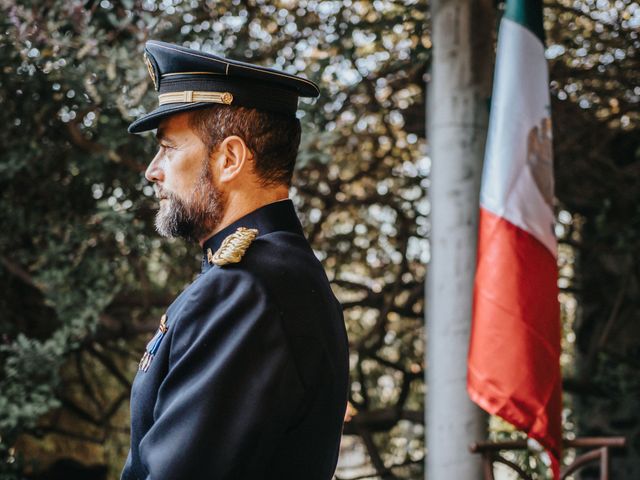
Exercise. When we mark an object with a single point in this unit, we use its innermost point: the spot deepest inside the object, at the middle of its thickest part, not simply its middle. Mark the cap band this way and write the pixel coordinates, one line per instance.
(191, 96)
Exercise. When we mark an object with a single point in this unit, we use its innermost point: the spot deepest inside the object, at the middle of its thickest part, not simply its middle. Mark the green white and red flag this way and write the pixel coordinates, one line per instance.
(514, 353)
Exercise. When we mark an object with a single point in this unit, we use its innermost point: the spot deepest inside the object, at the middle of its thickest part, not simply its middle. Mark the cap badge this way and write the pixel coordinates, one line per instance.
(152, 73)
(233, 247)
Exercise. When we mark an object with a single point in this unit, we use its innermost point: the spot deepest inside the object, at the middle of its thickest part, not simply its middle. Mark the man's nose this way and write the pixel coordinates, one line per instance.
(154, 172)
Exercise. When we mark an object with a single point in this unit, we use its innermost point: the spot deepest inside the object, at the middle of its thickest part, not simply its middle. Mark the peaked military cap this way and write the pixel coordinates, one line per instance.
(187, 79)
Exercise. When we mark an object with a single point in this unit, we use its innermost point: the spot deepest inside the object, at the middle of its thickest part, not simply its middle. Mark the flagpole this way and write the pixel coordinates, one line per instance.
(457, 119)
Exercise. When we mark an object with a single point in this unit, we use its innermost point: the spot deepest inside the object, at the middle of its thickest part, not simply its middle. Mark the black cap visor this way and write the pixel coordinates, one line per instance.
(152, 120)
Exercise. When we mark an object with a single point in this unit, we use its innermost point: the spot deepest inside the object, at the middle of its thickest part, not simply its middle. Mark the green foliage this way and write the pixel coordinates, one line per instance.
(30, 377)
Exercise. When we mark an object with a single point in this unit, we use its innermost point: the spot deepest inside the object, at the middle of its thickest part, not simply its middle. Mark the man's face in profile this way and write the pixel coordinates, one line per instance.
(191, 202)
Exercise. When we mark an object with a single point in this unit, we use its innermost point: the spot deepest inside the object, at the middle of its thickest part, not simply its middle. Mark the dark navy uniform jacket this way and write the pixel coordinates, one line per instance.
(250, 379)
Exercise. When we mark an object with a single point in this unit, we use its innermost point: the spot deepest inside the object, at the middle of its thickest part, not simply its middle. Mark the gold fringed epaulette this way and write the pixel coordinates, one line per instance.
(233, 247)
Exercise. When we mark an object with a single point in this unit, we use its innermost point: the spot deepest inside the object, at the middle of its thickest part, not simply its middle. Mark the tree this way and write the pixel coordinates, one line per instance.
(595, 80)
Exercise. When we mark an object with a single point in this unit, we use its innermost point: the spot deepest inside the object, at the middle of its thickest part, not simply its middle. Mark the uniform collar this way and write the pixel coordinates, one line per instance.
(277, 216)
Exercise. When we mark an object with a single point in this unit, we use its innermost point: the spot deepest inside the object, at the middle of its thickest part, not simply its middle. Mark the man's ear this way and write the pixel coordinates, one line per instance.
(232, 158)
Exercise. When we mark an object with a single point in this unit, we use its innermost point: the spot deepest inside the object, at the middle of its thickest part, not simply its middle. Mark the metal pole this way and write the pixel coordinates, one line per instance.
(457, 118)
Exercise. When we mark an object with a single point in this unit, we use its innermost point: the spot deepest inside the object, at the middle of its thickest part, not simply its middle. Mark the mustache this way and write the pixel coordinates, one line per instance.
(161, 193)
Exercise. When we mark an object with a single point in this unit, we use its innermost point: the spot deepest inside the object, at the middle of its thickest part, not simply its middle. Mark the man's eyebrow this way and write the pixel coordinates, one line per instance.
(161, 135)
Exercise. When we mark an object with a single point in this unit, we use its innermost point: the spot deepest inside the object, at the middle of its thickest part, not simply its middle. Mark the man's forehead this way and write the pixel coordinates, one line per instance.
(171, 126)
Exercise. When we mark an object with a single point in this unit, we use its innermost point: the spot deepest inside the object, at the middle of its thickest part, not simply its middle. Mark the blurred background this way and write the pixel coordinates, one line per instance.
(84, 277)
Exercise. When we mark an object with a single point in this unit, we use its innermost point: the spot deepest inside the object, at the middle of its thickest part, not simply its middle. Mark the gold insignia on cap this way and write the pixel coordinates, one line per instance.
(233, 247)
(152, 73)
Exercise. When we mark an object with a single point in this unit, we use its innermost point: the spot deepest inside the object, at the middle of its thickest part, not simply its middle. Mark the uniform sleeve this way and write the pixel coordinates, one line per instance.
(230, 389)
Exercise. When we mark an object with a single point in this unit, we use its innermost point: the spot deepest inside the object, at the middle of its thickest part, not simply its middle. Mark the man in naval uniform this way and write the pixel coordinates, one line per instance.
(247, 374)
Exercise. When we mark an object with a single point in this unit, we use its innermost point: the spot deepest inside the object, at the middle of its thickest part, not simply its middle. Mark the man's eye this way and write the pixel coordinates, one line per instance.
(166, 147)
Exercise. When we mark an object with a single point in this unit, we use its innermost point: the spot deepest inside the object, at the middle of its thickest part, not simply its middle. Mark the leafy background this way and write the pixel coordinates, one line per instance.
(84, 277)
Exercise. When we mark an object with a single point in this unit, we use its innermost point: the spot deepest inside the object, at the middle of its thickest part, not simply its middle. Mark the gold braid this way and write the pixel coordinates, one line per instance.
(233, 247)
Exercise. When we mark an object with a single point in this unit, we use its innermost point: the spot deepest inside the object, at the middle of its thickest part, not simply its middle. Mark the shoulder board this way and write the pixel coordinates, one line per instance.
(233, 247)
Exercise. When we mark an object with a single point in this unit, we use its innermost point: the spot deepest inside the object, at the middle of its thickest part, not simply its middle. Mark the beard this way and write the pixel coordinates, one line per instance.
(195, 217)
